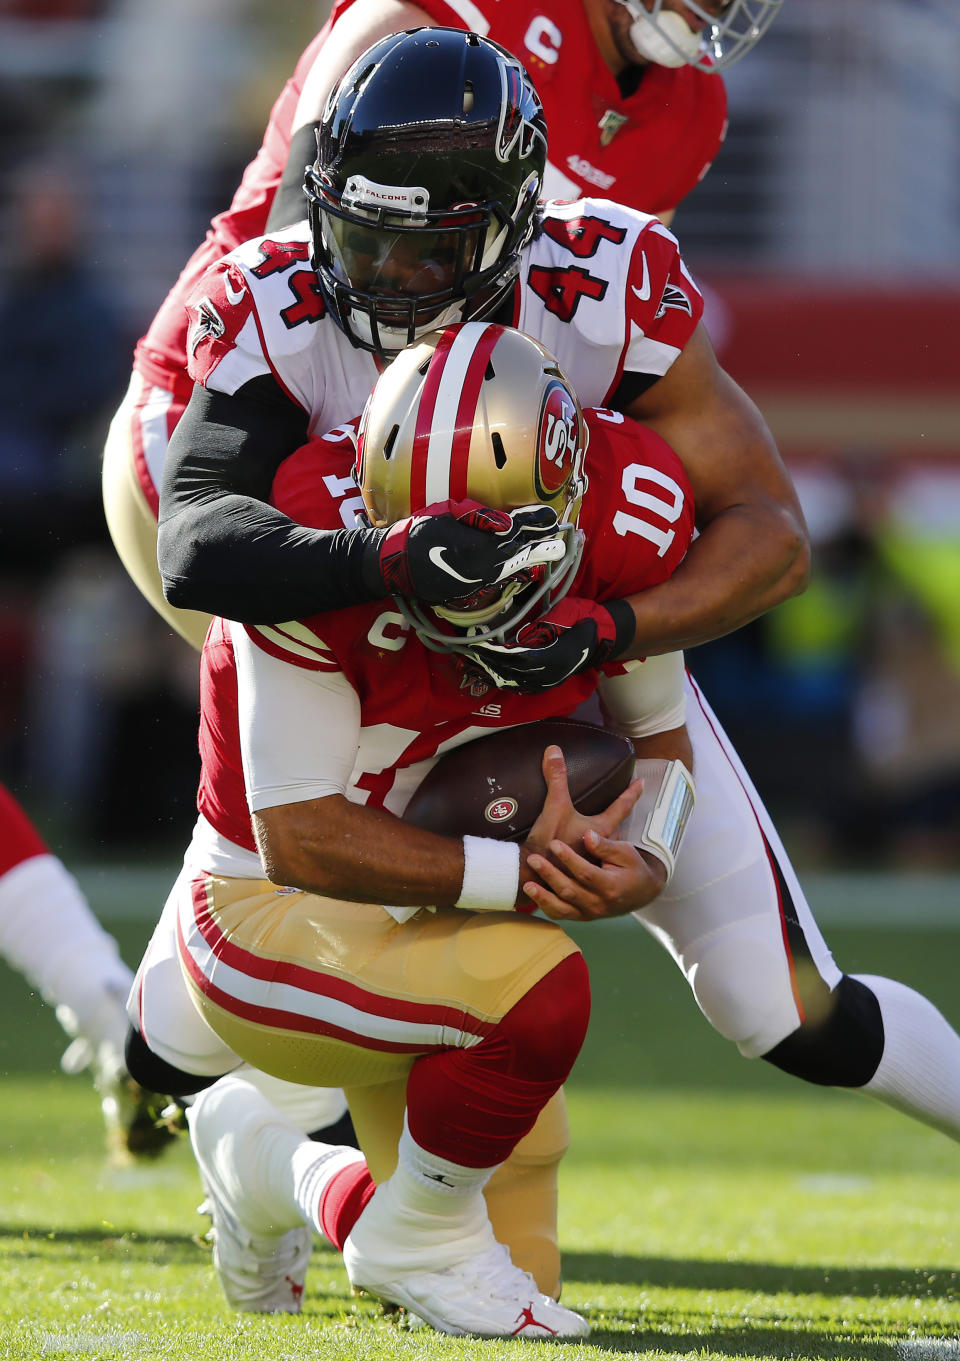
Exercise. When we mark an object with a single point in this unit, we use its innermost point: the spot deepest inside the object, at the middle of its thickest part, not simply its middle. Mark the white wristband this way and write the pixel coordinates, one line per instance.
(491, 875)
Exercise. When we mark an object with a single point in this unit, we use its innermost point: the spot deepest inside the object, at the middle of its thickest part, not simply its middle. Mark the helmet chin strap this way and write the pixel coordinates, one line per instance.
(666, 40)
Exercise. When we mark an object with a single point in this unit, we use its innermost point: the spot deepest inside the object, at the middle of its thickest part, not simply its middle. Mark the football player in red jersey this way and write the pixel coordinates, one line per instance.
(49, 933)
(637, 112)
(314, 733)
(284, 343)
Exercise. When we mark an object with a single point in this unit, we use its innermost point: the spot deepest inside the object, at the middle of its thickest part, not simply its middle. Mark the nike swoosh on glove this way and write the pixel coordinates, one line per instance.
(575, 635)
(452, 548)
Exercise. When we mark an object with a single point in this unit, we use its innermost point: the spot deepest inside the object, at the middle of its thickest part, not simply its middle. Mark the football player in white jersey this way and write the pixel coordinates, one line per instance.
(78, 971)
(652, 71)
(462, 1017)
(287, 336)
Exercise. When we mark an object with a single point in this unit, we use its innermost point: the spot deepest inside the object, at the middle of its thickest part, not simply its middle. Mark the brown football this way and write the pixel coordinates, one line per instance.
(494, 786)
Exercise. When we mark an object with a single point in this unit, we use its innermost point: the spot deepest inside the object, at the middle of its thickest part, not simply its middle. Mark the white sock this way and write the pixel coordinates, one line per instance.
(919, 1072)
(430, 1214)
(261, 1157)
(310, 1171)
(49, 933)
(431, 1180)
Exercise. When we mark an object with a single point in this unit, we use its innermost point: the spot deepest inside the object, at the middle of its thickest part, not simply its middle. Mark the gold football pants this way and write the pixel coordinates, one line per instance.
(339, 994)
(140, 420)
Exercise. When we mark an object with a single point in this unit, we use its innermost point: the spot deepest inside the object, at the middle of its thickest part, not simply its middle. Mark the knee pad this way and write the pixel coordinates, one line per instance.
(156, 1075)
(841, 1048)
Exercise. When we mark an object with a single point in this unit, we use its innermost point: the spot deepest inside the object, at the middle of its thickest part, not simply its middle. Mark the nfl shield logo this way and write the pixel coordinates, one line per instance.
(475, 683)
(610, 124)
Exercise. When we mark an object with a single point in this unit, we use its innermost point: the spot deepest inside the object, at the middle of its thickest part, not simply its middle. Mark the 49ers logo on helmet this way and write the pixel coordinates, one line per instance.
(556, 441)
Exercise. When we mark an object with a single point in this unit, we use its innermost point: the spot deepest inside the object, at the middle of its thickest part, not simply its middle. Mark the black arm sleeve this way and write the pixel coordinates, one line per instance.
(221, 549)
(631, 386)
(289, 202)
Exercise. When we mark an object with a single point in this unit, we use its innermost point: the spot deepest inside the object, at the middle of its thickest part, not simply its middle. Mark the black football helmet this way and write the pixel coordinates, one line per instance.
(430, 160)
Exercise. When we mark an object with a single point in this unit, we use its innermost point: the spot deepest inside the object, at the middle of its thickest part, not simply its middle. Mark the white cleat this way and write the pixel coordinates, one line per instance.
(486, 1296)
(258, 1272)
(479, 1295)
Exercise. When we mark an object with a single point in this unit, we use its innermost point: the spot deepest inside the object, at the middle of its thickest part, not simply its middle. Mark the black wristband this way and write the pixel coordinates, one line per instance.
(625, 623)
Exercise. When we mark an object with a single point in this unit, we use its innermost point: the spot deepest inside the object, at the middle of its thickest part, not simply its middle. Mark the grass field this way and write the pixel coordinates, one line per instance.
(710, 1207)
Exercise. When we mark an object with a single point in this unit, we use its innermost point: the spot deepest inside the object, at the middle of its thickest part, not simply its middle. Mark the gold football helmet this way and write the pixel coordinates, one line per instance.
(478, 412)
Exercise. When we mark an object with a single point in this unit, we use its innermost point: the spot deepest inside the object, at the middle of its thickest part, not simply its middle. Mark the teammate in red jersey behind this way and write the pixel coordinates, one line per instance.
(636, 110)
(314, 734)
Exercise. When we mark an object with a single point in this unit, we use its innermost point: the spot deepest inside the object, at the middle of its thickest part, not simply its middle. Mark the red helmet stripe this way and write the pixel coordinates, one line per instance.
(467, 411)
(425, 413)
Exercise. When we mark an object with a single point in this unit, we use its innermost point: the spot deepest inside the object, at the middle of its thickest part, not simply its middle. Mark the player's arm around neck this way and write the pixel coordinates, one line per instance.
(753, 550)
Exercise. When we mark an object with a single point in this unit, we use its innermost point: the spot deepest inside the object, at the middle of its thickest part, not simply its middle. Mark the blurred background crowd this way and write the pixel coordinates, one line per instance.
(826, 237)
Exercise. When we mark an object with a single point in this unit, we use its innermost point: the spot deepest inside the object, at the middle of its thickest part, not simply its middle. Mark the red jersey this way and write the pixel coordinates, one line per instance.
(161, 355)
(415, 704)
(19, 839)
(647, 150)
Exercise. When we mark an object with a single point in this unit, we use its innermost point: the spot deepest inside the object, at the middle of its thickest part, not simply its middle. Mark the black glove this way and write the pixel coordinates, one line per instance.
(451, 549)
(575, 635)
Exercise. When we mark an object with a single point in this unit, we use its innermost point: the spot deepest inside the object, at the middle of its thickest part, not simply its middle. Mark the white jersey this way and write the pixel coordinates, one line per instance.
(602, 286)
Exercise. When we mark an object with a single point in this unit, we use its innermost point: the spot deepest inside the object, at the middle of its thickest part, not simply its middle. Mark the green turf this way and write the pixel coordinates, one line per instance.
(710, 1207)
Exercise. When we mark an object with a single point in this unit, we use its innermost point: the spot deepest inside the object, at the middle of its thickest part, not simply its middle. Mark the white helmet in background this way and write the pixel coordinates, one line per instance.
(723, 33)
